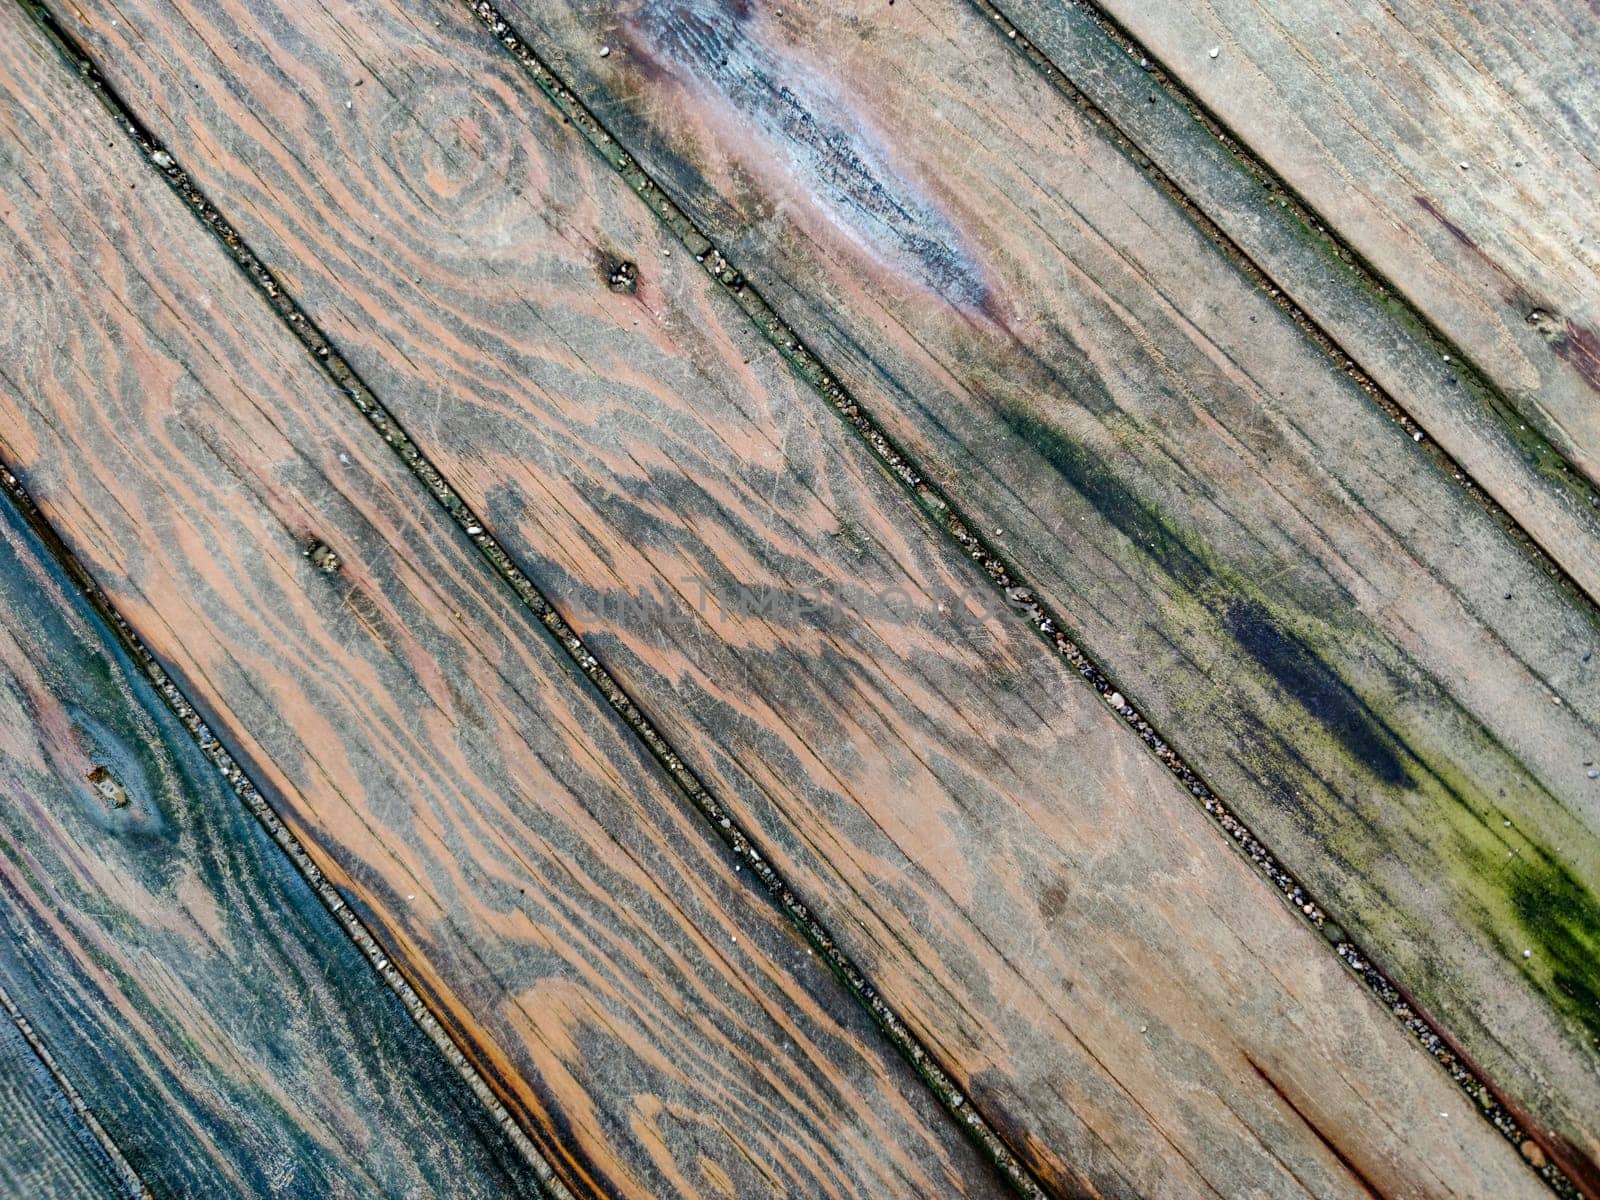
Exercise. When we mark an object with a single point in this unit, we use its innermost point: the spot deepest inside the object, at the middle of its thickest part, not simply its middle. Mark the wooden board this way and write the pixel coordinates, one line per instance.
(213, 1016)
(527, 867)
(1034, 894)
(47, 1149)
(1497, 440)
(1296, 593)
(1453, 145)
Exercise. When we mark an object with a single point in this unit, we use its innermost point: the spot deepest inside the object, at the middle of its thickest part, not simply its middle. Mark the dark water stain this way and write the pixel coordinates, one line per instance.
(827, 148)
(1580, 347)
(1291, 663)
(1087, 475)
(1316, 687)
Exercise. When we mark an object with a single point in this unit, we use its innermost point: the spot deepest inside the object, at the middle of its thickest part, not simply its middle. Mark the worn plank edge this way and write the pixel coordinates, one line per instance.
(1526, 431)
(252, 799)
(742, 847)
(133, 1185)
(1499, 1110)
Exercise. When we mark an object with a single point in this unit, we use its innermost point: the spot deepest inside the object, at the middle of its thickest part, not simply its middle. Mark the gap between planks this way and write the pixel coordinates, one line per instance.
(1551, 465)
(743, 848)
(1000, 574)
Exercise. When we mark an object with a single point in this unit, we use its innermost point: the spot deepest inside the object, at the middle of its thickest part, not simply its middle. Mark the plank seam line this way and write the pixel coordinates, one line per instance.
(743, 849)
(1004, 577)
(259, 807)
(1552, 466)
(132, 1183)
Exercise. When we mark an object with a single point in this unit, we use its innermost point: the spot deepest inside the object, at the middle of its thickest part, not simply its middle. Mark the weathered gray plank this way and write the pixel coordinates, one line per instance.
(1317, 279)
(656, 1030)
(47, 1149)
(213, 1016)
(1454, 145)
(1294, 591)
(1035, 895)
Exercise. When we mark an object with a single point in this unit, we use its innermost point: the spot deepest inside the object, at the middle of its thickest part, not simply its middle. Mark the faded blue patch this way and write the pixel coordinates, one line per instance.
(827, 148)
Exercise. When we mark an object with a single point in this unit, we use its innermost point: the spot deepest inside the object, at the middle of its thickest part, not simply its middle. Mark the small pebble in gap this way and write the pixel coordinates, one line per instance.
(161, 159)
(1114, 699)
(1417, 436)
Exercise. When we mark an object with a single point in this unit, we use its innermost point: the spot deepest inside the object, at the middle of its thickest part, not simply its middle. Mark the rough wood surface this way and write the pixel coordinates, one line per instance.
(1332, 629)
(1454, 143)
(208, 1010)
(657, 1031)
(1034, 893)
(47, 1152)
(1316, 277)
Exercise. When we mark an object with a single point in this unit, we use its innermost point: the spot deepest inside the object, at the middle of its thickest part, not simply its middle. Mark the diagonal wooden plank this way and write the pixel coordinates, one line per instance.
(1365, 327)
(1331, 628)
(569, 920)
(50, 1149)
(1024, 885)
(211, 1014)
(1454, 146)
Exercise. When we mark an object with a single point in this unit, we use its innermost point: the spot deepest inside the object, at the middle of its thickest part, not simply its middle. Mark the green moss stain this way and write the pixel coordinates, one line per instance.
(1560, 919)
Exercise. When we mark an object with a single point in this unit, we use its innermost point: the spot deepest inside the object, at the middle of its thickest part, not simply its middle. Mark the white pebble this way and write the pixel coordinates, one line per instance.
(1114, 699)
(605, 51)
(1216, 50)
(1527, 954)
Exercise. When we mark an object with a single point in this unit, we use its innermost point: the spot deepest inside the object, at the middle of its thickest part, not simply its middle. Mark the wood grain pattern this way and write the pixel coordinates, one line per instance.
(1361, 320)
(571, 923)
(1035, 894)
(1321, 619)
(1455, 145)
(47, 1150)
(212, 1015)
